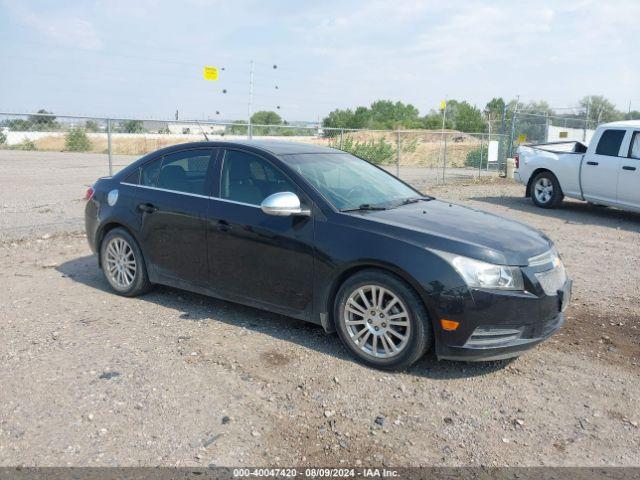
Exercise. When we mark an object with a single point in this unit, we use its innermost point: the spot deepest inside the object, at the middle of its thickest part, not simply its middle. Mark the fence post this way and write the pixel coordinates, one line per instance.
(398, 153)
(481, 155)
(444, 161)
(109, 146)
(341, 138)
(503, 130)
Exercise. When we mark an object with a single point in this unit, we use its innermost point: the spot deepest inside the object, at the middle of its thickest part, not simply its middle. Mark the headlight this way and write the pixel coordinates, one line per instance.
(485, 275)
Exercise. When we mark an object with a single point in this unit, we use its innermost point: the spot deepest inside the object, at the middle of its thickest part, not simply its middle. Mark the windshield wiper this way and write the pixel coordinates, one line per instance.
(364, 206)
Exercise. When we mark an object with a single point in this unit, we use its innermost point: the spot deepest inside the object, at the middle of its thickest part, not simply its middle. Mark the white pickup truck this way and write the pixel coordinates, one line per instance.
(607, 172)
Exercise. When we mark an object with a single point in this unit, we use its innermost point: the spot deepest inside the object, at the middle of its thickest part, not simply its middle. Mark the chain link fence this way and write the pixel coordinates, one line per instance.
(420, 157)
(531, 127)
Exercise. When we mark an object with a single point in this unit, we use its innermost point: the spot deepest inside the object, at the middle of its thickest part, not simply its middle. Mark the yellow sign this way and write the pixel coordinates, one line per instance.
(522, 138)
(443, 104)
(210, 73)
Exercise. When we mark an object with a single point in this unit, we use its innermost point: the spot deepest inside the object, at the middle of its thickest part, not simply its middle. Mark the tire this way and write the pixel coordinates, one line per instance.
(546, 191)
(408, 314)
(123, 264)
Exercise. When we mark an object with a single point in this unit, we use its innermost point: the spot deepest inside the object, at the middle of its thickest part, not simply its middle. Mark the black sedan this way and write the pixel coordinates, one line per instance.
(320, 235)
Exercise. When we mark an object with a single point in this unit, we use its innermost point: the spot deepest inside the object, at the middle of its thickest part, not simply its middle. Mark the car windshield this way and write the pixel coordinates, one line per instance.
(349, 182)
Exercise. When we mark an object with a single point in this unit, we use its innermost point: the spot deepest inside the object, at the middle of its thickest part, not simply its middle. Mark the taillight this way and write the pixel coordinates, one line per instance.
(89, 195)
(517, 159)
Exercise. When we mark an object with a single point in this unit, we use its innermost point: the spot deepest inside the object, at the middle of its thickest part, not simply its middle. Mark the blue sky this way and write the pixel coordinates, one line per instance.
(144, 58)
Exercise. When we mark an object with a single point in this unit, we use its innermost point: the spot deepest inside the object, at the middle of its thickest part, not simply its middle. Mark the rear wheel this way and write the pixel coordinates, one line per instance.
(546, 191)
(123, 264)
(381, 320)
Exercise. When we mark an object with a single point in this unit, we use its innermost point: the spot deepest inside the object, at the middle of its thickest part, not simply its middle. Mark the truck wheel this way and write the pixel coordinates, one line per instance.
(546, 191)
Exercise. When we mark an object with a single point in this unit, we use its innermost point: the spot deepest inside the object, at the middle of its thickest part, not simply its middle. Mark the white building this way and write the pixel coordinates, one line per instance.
(566, 134)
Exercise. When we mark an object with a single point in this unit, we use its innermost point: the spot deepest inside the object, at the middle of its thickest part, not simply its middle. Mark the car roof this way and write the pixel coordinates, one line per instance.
(275, 147)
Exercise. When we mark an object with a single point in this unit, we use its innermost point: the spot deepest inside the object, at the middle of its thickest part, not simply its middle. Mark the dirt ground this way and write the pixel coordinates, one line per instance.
(173, 378)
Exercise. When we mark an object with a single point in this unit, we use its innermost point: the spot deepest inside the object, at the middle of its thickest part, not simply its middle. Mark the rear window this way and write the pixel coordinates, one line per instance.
(610, 142)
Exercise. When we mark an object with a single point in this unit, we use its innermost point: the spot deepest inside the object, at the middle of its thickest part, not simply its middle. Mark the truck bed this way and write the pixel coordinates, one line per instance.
(561, 147)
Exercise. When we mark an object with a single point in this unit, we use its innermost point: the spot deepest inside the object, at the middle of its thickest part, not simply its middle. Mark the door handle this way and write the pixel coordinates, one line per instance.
(592, 163)
(627, 167)
(223, 226)
(147, 208)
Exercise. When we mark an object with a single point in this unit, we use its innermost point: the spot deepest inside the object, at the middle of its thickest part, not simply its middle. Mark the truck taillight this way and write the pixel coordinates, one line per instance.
(517, 159)
(89, 195)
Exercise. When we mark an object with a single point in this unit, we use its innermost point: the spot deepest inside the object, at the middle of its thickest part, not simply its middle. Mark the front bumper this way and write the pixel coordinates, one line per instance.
(499, 325)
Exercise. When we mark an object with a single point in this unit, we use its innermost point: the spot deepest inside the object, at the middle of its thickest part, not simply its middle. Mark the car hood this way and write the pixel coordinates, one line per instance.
(464, 231)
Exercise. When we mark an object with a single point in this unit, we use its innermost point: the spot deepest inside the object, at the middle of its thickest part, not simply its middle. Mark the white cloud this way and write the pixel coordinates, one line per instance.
(61, 27)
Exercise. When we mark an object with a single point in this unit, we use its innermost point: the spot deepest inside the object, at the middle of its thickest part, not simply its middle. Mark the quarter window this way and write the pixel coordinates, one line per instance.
(247, 178)
(610, 142)
(180, 171)
(149, 173)
(634, 149)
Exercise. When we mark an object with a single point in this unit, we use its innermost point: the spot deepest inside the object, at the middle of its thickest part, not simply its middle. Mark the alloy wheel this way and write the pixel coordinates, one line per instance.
(543, 190)
(120, 263)
(377, 321)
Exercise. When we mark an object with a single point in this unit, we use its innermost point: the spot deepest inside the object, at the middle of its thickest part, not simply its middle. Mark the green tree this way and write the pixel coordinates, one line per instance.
(493, 111)
(632, 115)
(467, 118)
(601, 110)
(77, 140)
(384, 114)
(132, 126)
(44, 122)
(433, 121)
(266, 117)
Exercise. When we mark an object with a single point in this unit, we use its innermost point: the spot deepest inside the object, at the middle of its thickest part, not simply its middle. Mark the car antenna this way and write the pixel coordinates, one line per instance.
(203, 132)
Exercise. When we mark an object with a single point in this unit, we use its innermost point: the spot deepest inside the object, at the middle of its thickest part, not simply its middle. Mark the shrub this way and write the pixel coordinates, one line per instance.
(91, 126)
(26, 144)
(474, 157)
(378, 152)
(3, 138)
(77, 140)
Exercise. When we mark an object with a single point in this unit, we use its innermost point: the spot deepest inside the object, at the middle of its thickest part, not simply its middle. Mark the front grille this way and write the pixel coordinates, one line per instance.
(552, 280)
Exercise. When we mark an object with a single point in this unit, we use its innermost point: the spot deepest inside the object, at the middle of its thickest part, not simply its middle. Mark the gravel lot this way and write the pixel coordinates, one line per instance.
(173, 378)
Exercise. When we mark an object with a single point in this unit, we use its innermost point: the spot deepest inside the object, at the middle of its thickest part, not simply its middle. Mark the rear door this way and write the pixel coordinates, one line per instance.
(600, 169)
(172, 204)
(629, 175)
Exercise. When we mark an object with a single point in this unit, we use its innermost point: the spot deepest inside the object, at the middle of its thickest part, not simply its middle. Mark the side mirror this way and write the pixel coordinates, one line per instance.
(283, 204)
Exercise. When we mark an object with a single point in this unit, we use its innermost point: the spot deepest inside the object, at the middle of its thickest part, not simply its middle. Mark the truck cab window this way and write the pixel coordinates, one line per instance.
(634, 149)
(610, 142)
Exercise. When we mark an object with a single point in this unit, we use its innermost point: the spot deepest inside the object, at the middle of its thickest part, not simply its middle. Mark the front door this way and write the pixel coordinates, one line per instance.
(257, 258)
(629, 176)
(599, 175)
(172, 204)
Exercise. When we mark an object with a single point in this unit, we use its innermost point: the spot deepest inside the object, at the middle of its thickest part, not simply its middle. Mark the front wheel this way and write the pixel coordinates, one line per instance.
(381, 320)
(546, 191)
(122, 263)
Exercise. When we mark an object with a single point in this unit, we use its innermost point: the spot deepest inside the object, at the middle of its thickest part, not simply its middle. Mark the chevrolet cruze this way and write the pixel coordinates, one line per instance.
(320, 235)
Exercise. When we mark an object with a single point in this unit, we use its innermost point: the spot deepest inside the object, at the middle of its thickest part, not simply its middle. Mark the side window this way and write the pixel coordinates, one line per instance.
(185, 171)
(634, 149)
(610, 142)
(149, 173)
(250, 179)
